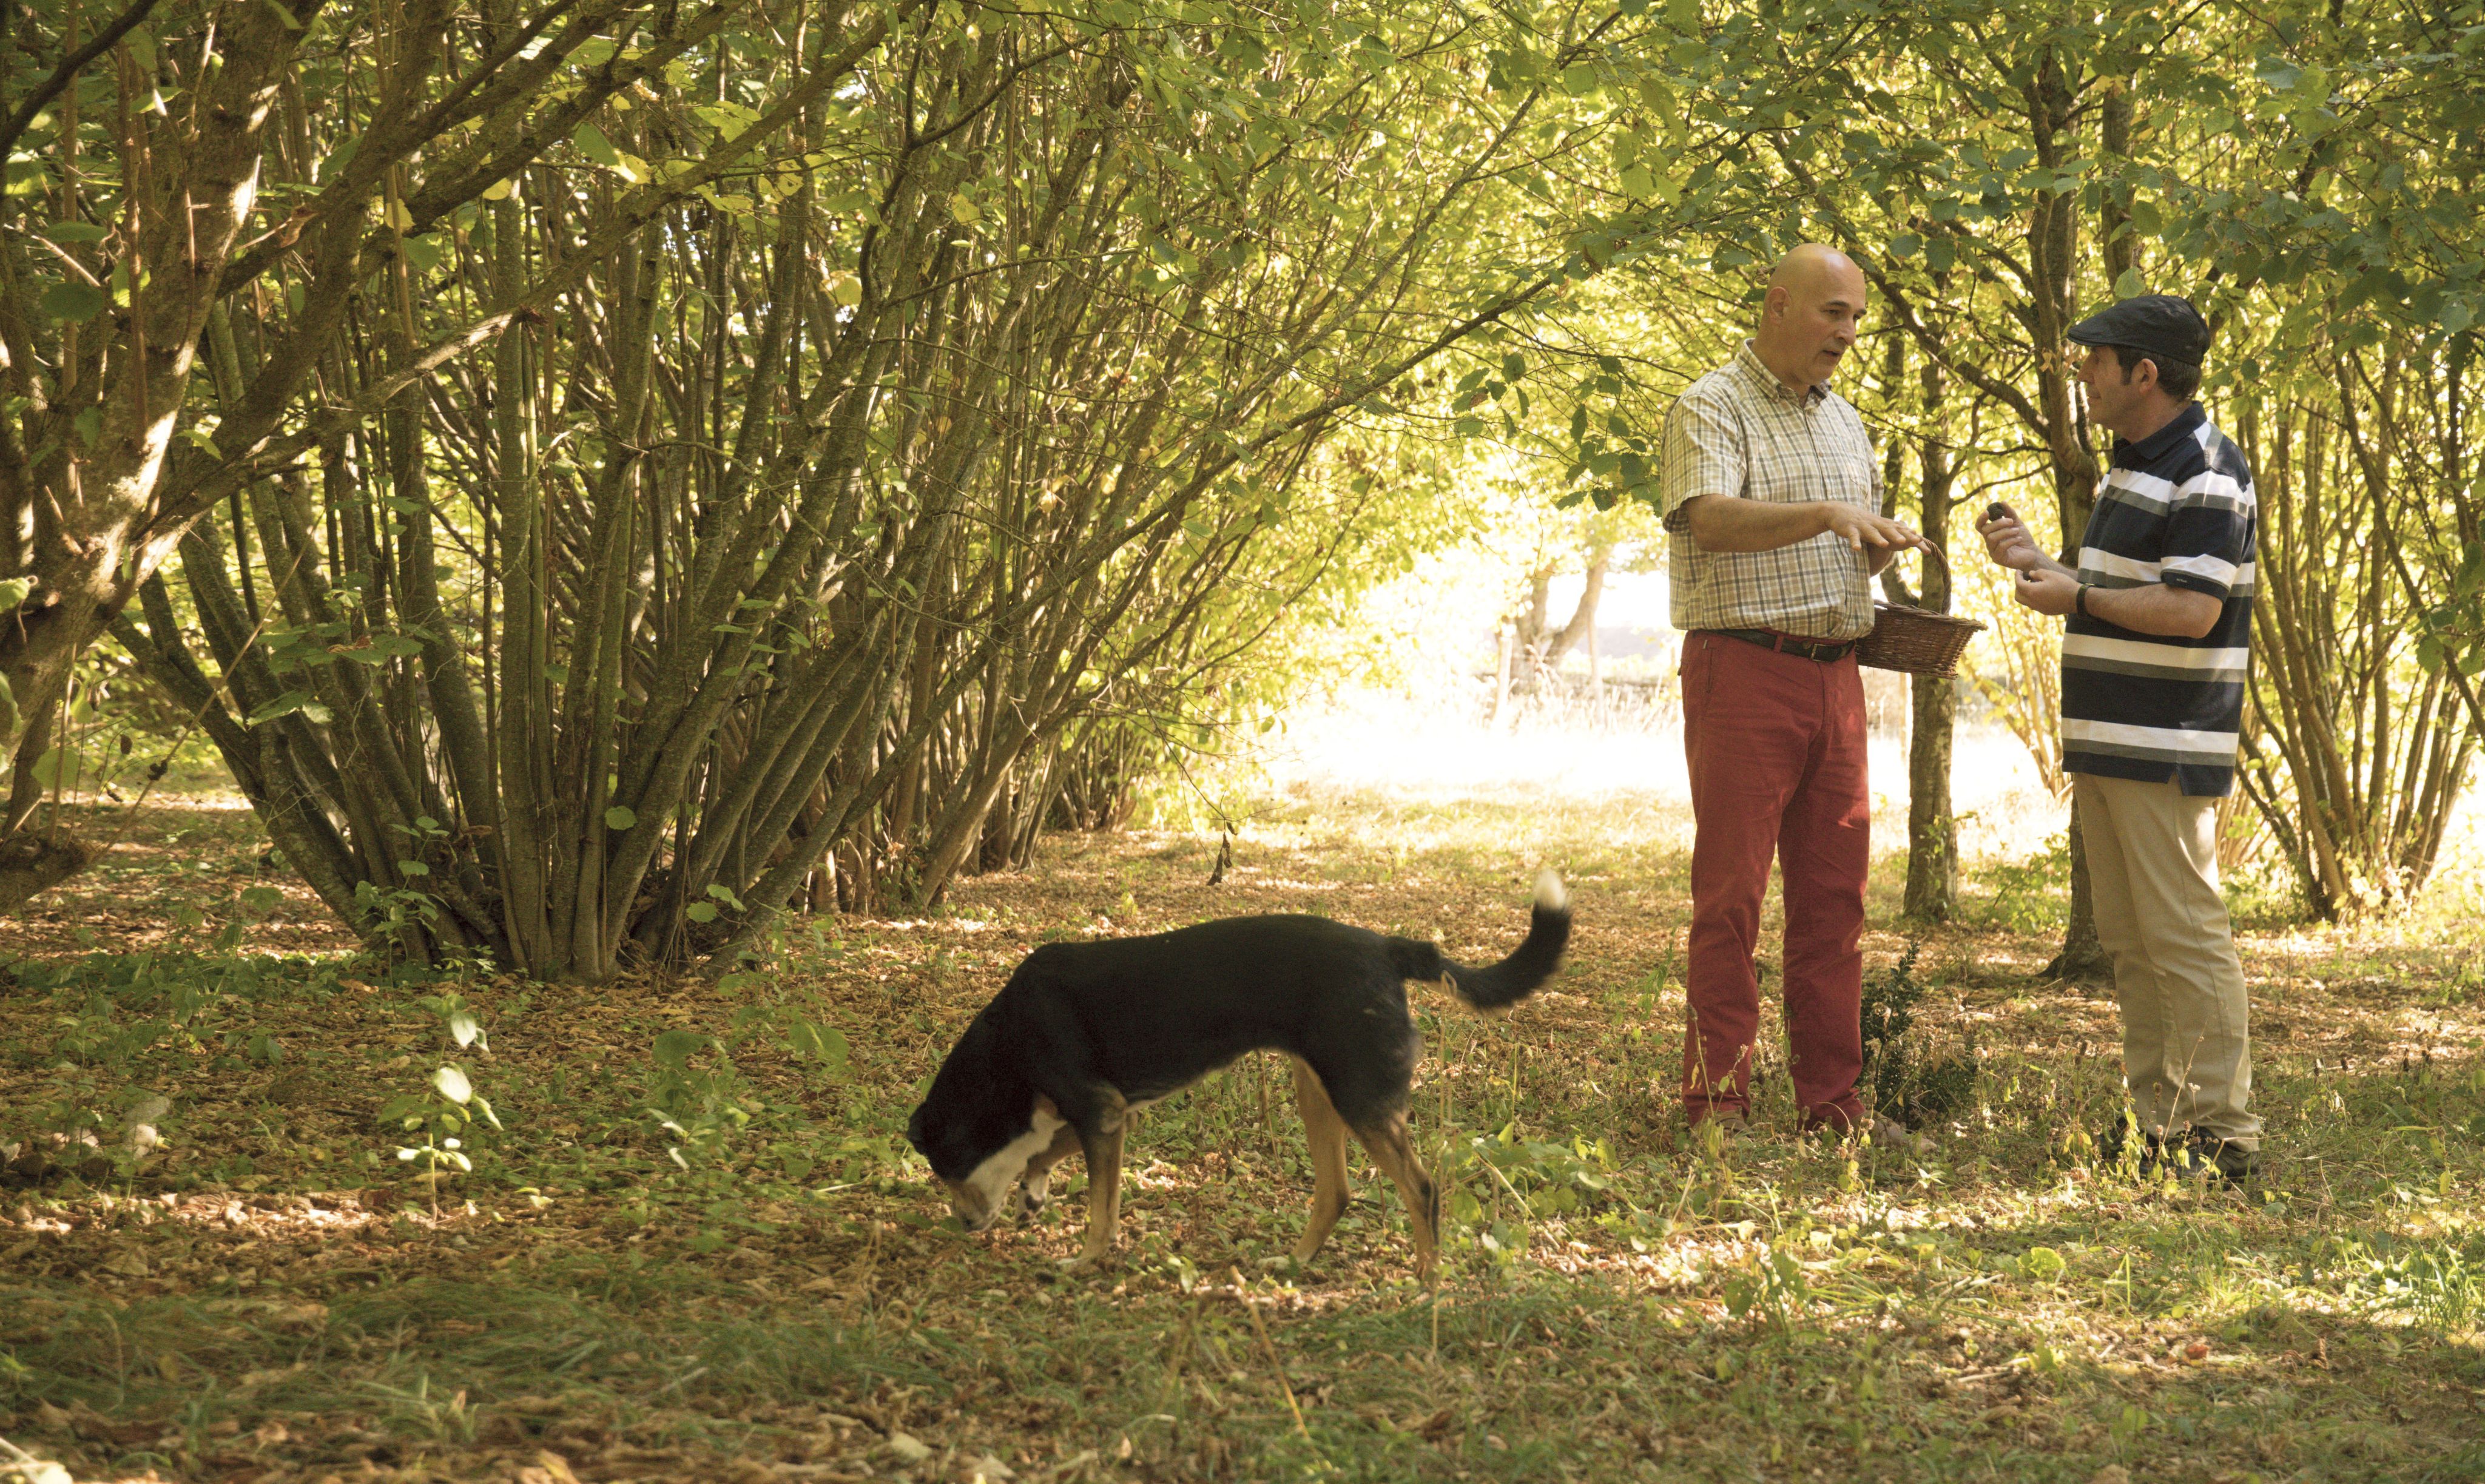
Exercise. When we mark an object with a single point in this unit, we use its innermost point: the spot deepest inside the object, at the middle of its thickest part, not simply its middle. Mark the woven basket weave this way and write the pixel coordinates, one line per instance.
(1914, 640)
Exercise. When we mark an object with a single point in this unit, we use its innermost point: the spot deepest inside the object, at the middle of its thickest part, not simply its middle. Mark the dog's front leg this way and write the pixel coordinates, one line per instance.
(1038, 1182)
(1104, 1151)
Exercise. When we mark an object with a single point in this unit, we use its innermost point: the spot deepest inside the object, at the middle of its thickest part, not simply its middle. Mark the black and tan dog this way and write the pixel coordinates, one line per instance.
(1085, 1033)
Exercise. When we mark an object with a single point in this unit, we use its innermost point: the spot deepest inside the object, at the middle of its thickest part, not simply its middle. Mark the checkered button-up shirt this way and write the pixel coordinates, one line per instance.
(1740, 431)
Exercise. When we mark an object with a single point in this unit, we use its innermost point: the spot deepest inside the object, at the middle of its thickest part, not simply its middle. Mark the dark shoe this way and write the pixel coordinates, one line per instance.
(2207, 1154)
(2117, 1147)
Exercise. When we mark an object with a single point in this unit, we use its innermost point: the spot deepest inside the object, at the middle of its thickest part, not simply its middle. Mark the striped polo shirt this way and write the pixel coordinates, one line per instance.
(2178, 508)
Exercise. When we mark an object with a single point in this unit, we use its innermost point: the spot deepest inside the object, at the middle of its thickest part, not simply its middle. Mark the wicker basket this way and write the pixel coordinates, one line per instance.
(1914, 640)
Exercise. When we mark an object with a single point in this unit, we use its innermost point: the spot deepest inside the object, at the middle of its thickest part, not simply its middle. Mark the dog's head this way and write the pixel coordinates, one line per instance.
(978, 1126)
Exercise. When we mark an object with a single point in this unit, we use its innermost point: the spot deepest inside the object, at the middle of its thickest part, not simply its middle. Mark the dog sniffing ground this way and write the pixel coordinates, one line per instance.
(699, 1248)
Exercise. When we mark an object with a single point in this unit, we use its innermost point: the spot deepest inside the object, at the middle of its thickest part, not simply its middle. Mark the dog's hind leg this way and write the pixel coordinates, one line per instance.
(1104, 1151)
(1385, 1139)
(1327, 1133)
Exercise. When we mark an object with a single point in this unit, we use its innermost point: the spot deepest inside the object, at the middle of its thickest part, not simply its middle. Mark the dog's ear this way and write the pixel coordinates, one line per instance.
(1047, 1108)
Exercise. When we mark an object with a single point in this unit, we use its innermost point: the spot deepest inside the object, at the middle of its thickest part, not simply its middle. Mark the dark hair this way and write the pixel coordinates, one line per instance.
(2178, 380)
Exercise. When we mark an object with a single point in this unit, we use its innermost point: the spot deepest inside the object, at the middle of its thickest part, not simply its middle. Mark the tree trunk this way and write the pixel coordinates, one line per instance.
(1932, 832)
(2051, 257)
(1583, 618)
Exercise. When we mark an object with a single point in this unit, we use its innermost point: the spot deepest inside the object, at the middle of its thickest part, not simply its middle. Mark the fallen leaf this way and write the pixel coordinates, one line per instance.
(908, 1447)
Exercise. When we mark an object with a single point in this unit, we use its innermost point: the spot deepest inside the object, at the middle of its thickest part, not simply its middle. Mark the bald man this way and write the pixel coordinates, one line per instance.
(1773, 500)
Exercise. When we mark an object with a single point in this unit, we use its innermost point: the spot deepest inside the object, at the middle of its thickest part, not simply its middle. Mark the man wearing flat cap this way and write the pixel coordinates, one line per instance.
(2154, 661)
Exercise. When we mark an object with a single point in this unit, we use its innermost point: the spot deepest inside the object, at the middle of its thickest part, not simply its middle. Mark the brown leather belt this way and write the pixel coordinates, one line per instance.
(1822, 649)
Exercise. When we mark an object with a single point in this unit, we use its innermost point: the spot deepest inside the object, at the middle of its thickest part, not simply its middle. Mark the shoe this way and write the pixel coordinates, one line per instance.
(1888, 1133)
(1731, 1124)
(2207, 1154)
(2115, 1145)
(1885, 1132)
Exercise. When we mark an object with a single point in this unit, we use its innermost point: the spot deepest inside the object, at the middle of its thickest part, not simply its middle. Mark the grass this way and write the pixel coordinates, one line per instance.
(699, 1250)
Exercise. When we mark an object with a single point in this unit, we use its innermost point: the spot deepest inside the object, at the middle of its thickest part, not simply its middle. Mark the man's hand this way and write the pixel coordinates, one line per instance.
(2006, 539)
(2046, 591)
(1859, 528)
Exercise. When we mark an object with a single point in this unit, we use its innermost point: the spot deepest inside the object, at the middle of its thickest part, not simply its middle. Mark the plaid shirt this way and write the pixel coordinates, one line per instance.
(1740, 431)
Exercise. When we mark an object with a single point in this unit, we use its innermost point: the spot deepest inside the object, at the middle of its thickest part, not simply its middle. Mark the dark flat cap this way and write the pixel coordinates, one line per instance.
(2162, 325)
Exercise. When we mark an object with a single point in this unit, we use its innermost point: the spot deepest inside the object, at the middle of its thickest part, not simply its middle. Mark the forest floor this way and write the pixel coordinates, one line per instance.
(697, 1247)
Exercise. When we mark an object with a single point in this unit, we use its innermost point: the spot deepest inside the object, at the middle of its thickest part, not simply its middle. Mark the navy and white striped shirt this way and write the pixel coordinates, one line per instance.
(2178, 508)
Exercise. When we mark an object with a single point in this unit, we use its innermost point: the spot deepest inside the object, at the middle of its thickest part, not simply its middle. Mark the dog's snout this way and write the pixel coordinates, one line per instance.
(972, 1214)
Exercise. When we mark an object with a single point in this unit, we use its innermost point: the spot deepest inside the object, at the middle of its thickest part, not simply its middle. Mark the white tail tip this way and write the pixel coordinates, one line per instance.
(1551, 895)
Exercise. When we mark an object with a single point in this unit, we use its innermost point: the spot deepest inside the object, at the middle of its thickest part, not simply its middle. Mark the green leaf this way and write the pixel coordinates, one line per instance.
(592, 144)
(464, 1029)
(74, 232)
(674, 1048)
(74, 302)
(2469, 582)
(618, 818)
(824, 1044)
(700, 912)
(725, 895)
(425, 253)
(965, 210)
(453, 1083)
(285, 705)
(2130, 285)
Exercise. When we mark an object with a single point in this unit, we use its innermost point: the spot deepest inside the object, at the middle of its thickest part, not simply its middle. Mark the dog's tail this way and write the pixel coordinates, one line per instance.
(1513, 979)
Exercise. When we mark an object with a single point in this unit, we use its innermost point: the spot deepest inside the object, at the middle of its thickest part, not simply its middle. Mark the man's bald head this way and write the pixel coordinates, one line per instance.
(1814, 267)
(1811, 316)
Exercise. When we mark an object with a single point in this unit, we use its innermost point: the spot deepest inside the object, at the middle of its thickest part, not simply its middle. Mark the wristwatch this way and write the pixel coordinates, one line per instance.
(2080, 602)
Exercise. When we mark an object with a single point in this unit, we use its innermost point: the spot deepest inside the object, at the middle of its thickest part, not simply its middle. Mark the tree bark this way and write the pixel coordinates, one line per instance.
(1932, 830)
(2052, 249)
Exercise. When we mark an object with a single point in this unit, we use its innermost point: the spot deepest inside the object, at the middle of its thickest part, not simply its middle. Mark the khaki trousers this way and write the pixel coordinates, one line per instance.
(2153, 865)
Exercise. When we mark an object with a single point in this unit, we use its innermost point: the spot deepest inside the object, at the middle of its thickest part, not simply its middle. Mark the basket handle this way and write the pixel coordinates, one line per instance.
(1933, 557)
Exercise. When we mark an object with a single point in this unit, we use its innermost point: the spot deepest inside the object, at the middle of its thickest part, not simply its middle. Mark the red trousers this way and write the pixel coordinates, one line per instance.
(1776, 747)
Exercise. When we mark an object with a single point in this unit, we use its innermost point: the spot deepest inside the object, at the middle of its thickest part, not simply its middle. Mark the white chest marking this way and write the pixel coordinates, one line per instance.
(1000, 1170)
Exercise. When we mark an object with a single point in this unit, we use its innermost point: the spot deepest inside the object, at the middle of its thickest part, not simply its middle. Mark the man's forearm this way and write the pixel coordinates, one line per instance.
(1732, 523)
(2155, 608)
